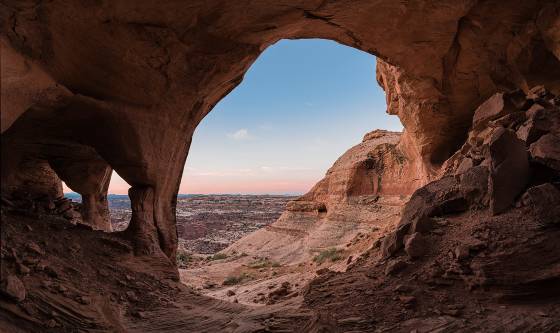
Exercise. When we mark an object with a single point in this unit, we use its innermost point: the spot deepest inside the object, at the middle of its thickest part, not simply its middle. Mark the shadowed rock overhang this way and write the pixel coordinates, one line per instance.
(122, 85)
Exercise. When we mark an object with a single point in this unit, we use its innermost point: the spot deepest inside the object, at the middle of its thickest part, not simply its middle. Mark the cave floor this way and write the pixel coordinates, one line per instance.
(77, 279)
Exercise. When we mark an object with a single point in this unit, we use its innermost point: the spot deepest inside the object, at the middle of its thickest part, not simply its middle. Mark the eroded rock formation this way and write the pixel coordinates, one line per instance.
(91, 87)
(359, 199)
(495, 166)
(135, 88)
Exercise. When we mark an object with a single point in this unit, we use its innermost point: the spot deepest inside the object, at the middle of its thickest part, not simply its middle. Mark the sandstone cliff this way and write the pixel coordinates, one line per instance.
(123, 85)
(92, 86)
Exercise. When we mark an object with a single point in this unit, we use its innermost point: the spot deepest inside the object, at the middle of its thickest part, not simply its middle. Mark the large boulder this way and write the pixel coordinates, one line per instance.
(14, 288)
(509, 169)
(440, 197)
(547, 151)
(499, 105)
(539, 122)
(474, 185)
(416, 245)
(544, 200)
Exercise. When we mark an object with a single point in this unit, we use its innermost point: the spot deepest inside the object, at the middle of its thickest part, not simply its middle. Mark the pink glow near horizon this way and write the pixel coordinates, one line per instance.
(248, 187)
(216, 185)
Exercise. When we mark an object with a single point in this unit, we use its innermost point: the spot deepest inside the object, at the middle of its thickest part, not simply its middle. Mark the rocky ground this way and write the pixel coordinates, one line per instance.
(210, 223)
(61, 277)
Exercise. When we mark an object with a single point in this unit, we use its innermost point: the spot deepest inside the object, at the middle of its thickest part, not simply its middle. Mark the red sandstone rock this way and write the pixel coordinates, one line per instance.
(140, 71)
(102, 80)
(395, 266)
(545, 201)
(547, 151)
(14, 288)
(493, 108)
(415, 245)
(376, 166)
(509, 169)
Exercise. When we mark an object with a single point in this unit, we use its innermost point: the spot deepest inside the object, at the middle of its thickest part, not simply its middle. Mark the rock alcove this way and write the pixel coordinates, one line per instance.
(92, 86)
(130, 95)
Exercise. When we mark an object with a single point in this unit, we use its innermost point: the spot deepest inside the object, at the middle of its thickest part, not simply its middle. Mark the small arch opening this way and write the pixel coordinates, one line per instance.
(116, 200)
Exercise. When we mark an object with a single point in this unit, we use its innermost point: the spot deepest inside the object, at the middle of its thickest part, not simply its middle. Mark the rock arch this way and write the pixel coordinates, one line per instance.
(131, 80)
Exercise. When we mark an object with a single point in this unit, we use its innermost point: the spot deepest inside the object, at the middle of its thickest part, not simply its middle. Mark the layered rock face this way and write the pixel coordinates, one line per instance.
(475, 249)
(510, 158)
(377, 166)
(123, 85)
(90, 86)
(363, 190)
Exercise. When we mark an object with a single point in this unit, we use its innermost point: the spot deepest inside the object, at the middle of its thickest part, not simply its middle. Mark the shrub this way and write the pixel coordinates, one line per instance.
(331, 254)
(232, 280)
(218, 256)
(264, 262)
(182, 258)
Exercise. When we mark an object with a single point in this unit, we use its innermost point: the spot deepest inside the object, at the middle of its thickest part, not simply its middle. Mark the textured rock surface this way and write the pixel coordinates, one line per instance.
(14, 288)
(544, 200)
(492, 169)
(377, 166)
(133, 69)
(509, 169)
(90, 86)
(547, 151)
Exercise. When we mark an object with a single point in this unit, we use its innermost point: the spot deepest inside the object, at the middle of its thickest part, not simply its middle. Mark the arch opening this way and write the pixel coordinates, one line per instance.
(118, 210)
(260, 197)
(301, 105)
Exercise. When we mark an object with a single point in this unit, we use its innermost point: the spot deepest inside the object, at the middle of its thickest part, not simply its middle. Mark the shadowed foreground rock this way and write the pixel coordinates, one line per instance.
(125, 84)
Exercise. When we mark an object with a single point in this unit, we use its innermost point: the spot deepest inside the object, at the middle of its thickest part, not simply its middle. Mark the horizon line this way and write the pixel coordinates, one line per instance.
(286, 194)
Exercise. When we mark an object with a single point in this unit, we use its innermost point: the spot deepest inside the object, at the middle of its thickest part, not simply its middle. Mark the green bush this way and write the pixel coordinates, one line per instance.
(182, 258)
(232, 280)
(218, 256)
(263, 262)
(331, 254)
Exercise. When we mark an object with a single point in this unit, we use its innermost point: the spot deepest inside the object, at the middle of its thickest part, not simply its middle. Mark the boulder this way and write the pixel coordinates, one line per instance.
(474, 185)
(394, 241)
(395, 267)
(440, 197)
(493, 108)
(509, 169)
(544, 200)
(462, 252)
(14, 288)
(416, 245)
(547, 151)
(465, 164)
(510, 120)
(540, 122)
(538, 92)
(436, 198)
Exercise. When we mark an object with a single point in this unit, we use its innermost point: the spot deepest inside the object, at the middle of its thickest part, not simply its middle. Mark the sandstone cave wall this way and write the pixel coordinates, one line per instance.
(124, 83)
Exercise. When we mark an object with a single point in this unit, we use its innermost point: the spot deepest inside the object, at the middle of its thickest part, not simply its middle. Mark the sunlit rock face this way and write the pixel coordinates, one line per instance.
(377, 166)
(124, 84)
(361, 194)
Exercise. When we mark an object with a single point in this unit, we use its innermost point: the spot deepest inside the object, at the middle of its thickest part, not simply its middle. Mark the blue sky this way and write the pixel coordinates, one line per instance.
(300, 106)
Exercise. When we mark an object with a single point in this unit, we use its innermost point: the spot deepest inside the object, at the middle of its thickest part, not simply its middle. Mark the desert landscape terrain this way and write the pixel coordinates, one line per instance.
(451, 225)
